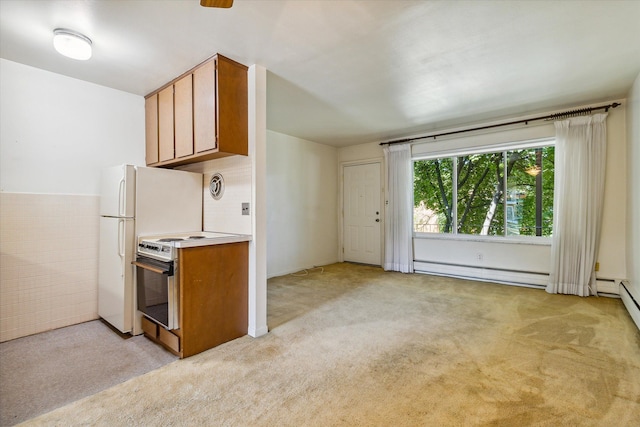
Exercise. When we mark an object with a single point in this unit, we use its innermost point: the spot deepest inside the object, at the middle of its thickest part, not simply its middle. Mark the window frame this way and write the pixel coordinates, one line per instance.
(466, 151)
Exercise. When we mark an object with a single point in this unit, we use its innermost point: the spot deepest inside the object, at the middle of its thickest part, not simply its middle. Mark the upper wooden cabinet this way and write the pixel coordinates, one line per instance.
(199, 116)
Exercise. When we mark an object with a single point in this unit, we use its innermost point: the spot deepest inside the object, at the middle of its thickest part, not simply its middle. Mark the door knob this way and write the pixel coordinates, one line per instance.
(377, 219)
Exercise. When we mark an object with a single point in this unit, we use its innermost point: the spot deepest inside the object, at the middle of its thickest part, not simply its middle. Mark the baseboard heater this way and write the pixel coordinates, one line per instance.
(608, 287)
(527, 279)
(630, 303)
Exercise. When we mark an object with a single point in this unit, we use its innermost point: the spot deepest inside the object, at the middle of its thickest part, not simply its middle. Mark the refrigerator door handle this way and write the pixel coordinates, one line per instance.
(121, 195)
(121, 248)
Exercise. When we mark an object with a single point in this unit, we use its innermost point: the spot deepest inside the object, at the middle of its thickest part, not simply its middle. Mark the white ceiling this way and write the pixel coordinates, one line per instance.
(351, 71)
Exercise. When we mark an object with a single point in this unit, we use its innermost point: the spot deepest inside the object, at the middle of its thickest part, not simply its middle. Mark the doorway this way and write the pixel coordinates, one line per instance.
(362, 213)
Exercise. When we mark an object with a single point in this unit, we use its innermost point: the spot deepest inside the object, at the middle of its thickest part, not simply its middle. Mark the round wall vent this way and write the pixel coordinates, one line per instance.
(216, 186)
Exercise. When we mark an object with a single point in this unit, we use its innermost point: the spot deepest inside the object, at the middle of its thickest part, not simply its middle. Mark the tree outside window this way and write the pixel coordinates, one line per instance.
(491, 194)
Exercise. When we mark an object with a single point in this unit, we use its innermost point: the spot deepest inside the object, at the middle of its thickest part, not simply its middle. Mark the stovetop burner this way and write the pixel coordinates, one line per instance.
(163, 247)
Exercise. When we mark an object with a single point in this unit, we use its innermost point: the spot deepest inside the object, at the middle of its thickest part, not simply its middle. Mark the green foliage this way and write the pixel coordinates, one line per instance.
(480, 183)
(481, 195)
(524, 184)
(432, 183)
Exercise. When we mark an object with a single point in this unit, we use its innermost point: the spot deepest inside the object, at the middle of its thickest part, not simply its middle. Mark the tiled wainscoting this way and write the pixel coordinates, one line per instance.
(49, 262)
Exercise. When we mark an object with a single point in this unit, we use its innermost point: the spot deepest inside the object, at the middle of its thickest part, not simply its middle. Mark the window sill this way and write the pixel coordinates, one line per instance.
(519, 240)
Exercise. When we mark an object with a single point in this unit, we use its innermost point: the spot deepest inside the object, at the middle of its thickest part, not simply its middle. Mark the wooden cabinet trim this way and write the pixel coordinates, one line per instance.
(149, 328)
(170, 340)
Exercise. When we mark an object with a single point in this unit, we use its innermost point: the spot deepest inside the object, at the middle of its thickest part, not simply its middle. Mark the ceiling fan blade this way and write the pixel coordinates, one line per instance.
(216, 3)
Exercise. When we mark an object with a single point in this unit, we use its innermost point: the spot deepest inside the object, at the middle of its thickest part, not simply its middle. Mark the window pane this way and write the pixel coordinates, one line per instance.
(433, 196)
(492, 194)
(548, 179)
(480, 194)
(530, 192)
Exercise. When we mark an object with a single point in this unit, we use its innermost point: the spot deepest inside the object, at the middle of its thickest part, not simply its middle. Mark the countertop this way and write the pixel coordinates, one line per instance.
(210, 238)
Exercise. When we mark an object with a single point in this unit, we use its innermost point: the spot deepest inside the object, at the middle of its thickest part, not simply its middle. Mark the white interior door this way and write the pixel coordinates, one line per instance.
(362, 213)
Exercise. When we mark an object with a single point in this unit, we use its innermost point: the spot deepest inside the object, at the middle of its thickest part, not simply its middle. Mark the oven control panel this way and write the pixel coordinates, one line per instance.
(158, 250)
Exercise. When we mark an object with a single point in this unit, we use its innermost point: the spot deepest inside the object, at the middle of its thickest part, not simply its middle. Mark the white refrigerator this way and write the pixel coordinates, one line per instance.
(137, 201)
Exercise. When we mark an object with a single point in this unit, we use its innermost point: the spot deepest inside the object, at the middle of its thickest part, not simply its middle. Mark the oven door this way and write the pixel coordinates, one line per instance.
(158, 293)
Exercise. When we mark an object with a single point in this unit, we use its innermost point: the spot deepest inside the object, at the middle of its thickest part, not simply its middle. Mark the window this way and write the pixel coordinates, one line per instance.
(501, 193)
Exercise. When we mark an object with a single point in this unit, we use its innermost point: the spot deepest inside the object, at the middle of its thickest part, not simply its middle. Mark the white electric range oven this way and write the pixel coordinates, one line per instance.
(158, 287)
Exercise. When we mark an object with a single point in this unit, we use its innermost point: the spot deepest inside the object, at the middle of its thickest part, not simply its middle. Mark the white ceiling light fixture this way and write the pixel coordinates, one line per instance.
(72, 44)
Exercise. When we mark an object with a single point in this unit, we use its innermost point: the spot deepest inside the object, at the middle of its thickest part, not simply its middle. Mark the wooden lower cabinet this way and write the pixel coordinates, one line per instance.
(214, 282)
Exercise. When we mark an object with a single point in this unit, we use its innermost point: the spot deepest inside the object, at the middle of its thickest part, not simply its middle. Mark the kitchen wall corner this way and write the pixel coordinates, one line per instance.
(225, 215)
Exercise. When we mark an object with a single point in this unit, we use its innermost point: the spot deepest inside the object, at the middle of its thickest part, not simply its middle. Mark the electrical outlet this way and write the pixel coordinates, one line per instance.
(245, 209)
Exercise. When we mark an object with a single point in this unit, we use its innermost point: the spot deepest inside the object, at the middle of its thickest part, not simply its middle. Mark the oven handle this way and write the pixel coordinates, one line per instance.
(156, 269)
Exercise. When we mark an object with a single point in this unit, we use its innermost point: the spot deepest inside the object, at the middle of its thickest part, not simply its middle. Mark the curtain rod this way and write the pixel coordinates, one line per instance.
(556, 116)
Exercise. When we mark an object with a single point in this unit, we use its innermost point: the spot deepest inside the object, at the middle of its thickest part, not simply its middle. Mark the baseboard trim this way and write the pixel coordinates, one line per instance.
(631, 304)
(516, 278)
(608, 286)
(299, 269)
(255, 333)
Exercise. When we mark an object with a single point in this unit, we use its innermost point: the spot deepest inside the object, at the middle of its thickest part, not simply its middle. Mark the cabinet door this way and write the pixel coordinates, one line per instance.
(165, 123)
(183, 115)
(232, 106)
(214, 283)
(204, 107)
(151, 129)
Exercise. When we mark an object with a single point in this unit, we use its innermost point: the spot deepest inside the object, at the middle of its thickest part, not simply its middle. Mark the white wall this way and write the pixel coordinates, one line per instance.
(529, 261)
(354, 153)
(257, 79)
(611, 254)
(225, 215)
(633, 190)
(58, 133)
(302, 204)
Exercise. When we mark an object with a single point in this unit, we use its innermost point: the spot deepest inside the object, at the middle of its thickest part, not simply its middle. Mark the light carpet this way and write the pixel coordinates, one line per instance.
(353, 345)
(45, 371)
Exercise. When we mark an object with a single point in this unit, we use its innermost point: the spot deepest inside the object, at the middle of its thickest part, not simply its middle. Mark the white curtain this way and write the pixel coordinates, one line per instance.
(398, 231)
(580, 157)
